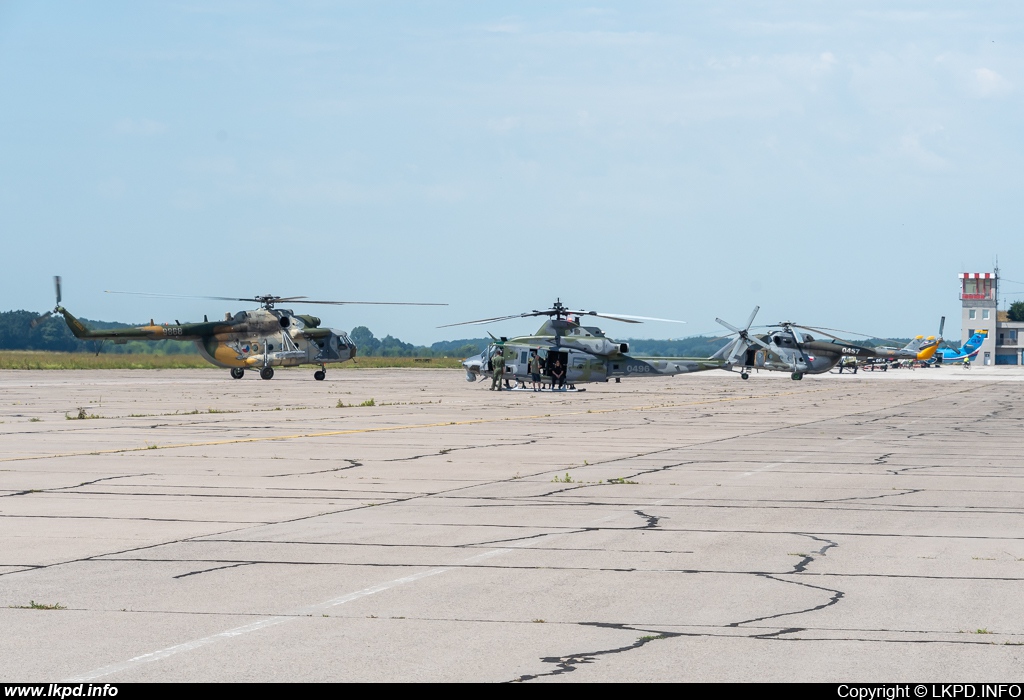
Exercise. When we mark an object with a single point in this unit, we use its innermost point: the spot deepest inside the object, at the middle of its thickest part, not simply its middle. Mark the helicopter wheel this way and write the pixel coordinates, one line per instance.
(237, 372)
(267, 373)
(745, 376)
(797, 376)
(319, 375)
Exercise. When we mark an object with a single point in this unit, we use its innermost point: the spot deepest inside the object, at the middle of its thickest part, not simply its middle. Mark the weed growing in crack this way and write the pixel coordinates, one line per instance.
(620, 480)
(82, 415)
(33, 605)
(566, 480)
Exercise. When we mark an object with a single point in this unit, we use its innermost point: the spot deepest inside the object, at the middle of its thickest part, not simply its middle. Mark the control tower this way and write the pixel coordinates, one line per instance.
(978, 299)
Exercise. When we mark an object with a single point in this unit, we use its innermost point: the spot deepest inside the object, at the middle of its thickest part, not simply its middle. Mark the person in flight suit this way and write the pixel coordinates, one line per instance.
(498, 363)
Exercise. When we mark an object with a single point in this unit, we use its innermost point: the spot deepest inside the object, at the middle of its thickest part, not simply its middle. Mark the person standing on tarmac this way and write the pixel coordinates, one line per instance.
(535, 369)
(498, 363)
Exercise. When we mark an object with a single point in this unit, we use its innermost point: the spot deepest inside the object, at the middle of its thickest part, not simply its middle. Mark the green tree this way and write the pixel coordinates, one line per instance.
(364, 340)
(1016, 312)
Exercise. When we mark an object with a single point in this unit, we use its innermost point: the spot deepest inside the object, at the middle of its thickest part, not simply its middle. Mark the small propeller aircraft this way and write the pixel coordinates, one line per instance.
(789, 350)
(967, 352)
(260, 339)
(584, 353)
(925, 348)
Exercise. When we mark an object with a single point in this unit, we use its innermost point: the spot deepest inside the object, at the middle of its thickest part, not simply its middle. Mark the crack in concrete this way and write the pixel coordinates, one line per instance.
(352, 464)
(568, 663)
(216, 568)
(871, 498)
(652, 520)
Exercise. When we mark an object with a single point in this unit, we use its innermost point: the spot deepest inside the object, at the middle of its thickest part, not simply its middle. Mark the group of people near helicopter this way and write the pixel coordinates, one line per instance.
(539, 370)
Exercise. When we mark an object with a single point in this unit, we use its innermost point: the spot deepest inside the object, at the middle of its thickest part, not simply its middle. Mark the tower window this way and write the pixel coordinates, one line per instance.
(984, 314)
(972, 314)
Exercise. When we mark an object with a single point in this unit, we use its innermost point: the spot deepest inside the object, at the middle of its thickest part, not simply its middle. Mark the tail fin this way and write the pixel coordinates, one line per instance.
(974, 342)
(76, 326)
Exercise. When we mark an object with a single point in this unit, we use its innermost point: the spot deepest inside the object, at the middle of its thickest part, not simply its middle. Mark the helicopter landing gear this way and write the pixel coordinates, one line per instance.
(797, 376)
(267, 373)
(237, 372)
(320, 375)
(744, 375)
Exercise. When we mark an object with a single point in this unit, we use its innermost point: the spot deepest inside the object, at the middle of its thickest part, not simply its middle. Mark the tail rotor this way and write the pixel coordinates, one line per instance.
(56, 288)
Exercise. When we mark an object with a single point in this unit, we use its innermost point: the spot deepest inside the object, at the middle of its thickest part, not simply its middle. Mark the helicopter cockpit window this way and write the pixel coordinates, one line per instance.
(239, 316)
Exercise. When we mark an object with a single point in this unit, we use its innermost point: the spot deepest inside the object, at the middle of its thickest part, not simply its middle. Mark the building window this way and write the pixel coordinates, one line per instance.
(984, 314)
(972, 314)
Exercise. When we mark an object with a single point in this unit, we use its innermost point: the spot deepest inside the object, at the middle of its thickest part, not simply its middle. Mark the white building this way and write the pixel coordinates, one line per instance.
(978, 295)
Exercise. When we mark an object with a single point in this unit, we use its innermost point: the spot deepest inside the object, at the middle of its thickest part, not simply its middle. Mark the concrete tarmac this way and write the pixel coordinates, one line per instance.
(699, 528)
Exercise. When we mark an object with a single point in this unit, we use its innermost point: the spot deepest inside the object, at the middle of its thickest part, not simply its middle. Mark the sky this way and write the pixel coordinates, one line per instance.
(836, 163)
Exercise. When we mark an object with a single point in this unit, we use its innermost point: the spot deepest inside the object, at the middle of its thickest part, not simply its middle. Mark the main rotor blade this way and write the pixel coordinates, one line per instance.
(179, 296)
(818, 330)
(303, 300)
(751, 319)
(626, 317)
(821, 329)
(40, 319)
(731, 327)
(56, 287)
(275, 300)
(611, 318)
(755, 339)
(482, 321)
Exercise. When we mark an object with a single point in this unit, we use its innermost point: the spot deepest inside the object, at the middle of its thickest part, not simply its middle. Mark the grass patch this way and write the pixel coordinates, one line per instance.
(652, 637)
(33, 605)
(29, 359)
(620, 480)
(35, 420)
(82, 415)
(342, 404)
(563, 480)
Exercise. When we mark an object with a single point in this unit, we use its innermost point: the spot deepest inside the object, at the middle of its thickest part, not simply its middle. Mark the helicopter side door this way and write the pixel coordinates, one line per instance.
(584, 367)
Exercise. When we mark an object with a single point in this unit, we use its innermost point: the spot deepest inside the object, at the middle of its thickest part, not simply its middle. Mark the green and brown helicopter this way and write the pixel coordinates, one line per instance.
(260, 339)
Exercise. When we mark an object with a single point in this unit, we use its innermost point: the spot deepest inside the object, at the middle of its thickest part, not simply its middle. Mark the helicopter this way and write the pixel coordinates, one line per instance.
(789, 350)
(259, 339)
(584, 352)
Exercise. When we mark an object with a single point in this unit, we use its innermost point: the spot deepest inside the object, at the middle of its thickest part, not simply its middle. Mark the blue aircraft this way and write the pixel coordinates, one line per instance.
(968, 352)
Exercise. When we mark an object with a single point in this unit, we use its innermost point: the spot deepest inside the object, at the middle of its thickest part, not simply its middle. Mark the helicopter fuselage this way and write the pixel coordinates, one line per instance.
(584, 354)
(256, 339)
(811, 356)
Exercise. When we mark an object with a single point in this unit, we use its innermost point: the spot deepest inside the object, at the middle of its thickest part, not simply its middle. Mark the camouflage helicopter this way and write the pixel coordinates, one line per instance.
(260, 339)
(583, 352)
(784, 350)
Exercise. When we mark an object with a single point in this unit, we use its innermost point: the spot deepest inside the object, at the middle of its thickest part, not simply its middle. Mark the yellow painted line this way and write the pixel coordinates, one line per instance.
(357, 431)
